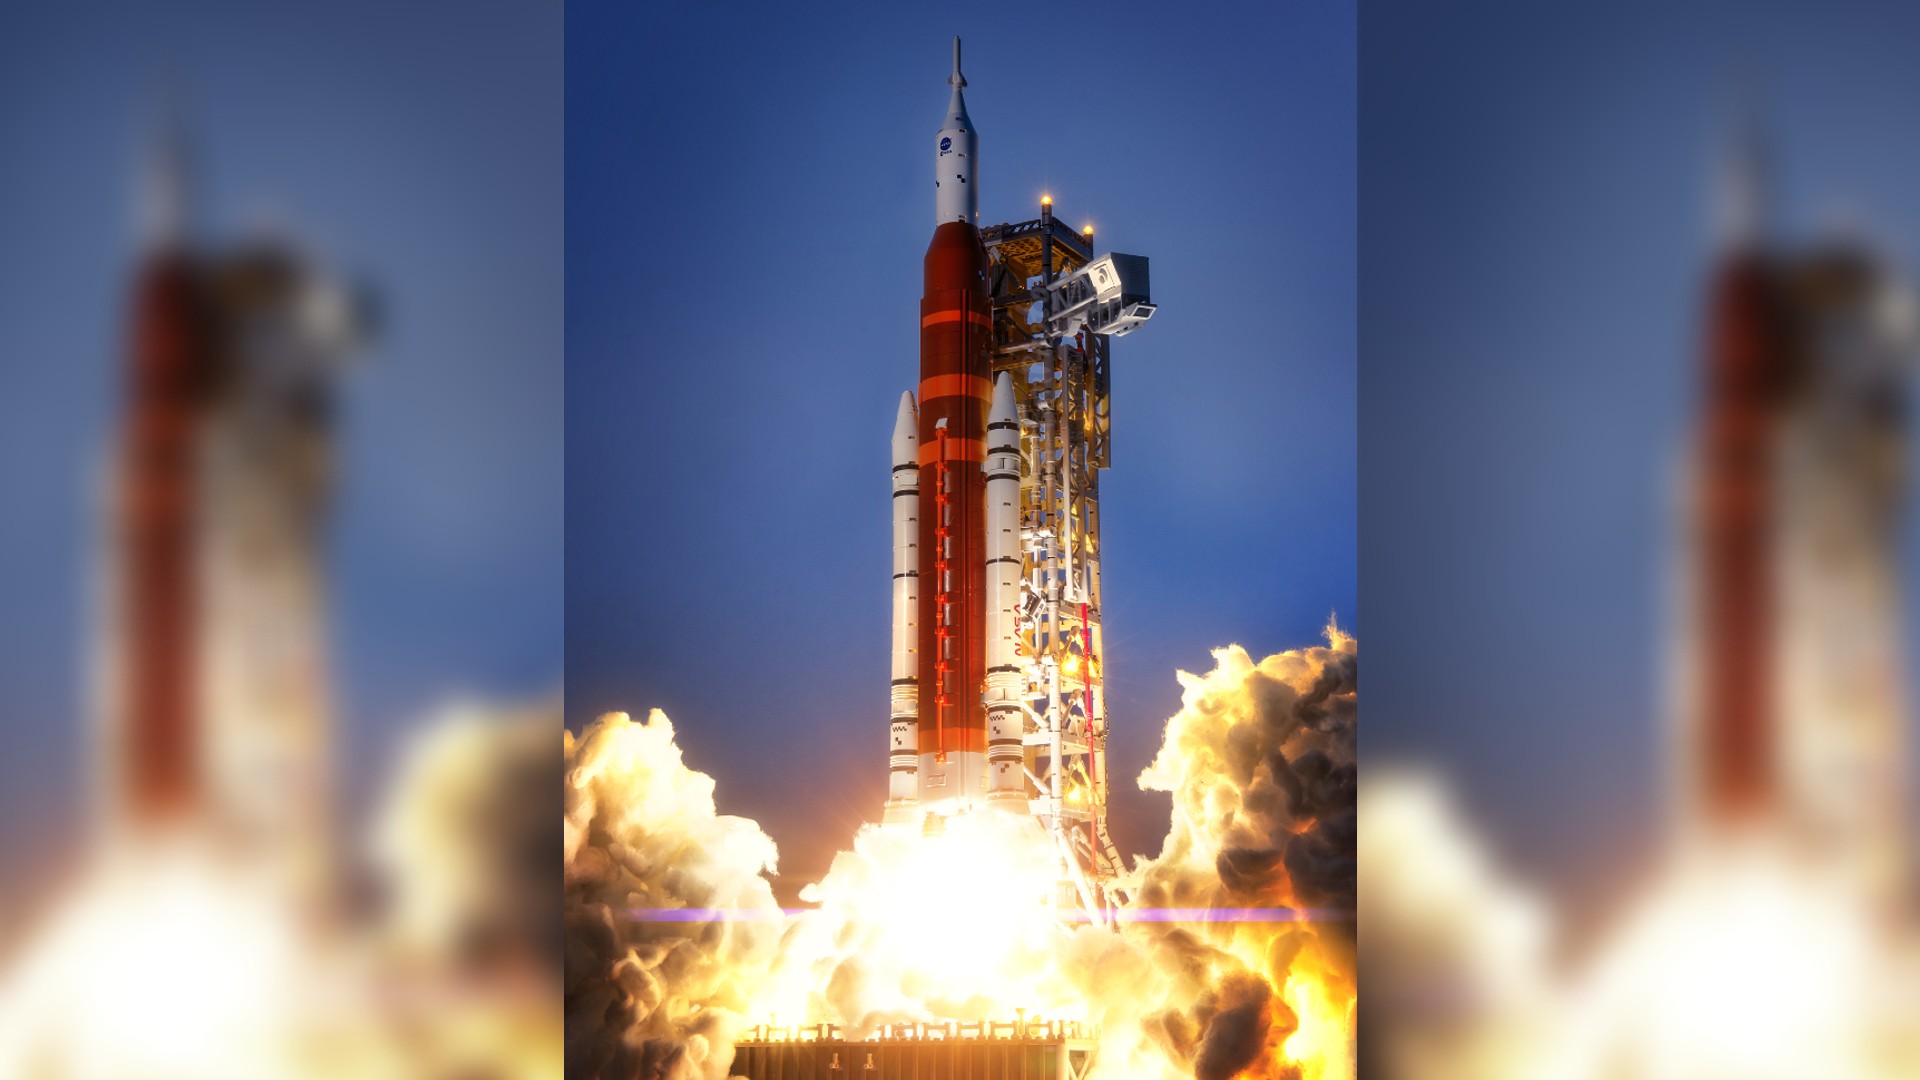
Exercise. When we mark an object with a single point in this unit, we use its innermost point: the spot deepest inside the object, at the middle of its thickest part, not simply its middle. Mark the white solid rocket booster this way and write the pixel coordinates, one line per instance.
(903, 777)
(1006, 755)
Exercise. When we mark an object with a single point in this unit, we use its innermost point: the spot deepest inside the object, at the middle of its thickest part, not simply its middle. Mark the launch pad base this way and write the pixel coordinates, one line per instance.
(982, 1051)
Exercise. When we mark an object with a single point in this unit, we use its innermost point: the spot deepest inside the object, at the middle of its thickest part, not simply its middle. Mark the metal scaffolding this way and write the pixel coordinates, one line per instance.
(1061, 385)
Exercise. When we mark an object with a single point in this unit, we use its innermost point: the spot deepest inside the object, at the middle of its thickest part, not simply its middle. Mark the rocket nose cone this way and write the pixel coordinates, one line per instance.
(906, 431)
(957, 118)
(1002, 399)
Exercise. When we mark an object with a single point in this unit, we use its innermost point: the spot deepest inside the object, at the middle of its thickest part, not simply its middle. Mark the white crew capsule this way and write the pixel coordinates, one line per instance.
(954, 178)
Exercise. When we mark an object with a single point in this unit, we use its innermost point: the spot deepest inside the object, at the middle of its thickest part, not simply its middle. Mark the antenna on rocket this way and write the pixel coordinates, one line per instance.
(1745, 195)
(165, 192)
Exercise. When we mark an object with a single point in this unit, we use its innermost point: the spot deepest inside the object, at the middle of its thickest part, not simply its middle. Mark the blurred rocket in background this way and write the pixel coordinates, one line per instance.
(1777, 936)
(269, 816)
(1790, 706)
(213, 863)
(213, 702)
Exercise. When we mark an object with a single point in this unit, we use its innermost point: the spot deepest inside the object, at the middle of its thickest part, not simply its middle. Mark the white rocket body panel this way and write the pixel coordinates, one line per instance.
(1006, 724)
(903, 756)
(954, 164)
(957, 784)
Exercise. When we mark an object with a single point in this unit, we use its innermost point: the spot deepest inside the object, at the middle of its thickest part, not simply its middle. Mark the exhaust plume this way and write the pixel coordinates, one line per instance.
(1235, 957)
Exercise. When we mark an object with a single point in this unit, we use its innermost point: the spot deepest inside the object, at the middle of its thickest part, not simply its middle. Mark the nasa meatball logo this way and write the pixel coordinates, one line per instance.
(946, 144)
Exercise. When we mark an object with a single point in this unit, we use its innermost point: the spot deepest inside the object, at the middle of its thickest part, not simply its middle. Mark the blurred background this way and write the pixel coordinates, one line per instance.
(1636, 344)
(280, 447)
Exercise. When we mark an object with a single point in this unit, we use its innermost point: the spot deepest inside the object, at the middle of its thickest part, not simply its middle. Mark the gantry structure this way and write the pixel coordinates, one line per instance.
(1049, 293)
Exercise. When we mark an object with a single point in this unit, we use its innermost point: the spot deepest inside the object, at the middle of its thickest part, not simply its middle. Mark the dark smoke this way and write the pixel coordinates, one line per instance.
(1261, 764)
(1236, 1025)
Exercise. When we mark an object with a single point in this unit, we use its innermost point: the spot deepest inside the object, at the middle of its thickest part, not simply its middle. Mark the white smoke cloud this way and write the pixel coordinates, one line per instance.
(464, 840)
(1456, 963)
(1739, 961)
(1261, 764)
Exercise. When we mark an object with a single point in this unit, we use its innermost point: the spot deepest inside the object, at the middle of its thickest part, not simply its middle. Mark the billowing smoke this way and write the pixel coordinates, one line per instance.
(454, 973)
(1260, 761)
(1261, 764)
(1259, 983)
(647, 997)
(464, 842)
(1737, 960)
(1456, 963)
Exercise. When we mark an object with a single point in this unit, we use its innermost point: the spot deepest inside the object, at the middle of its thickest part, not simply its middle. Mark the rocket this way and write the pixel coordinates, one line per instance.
(217, 491)
(956, 565)
(157, 495)
(1747, 380)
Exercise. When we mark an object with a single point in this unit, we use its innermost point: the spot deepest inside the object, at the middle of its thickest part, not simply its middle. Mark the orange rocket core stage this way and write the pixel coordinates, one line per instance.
(158, 493)
(1746, 382)
(955, 396)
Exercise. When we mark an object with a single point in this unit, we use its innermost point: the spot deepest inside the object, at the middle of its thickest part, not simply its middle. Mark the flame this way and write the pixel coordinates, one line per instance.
(927, 928)
(871, 955)
(1323, 1023)
(1740, 964)
(168, 964)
